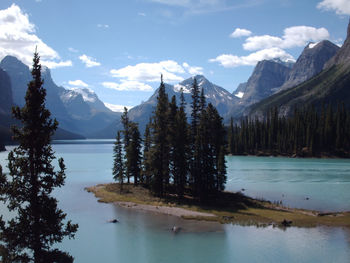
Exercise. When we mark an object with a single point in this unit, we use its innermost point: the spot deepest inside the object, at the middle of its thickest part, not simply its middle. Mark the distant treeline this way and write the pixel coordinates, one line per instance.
(307, 133)
(178, 157)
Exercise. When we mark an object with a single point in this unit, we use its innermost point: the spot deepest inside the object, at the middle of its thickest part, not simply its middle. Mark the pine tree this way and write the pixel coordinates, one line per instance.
(172, 137)
(118, 166)
(146, 157)
(126, 125)
(133, 153)
(194, 139)
(196, 108)
(180, 166)
(160, 147)
(39, 223)
(221, 176)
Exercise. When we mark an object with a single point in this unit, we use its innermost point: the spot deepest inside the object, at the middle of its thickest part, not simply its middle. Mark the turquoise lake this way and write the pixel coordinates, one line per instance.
(146, 237)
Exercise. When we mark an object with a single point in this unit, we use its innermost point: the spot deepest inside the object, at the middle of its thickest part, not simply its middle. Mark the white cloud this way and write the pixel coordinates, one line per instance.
(141, 14)
(116, 108)
(18, 38)
(240, 32)
(150, 72)
(73, 50)
(198, 7)
(135, 77)
(102, 26)
(53, 64)
(127, 85)
(193, 70)
(78, 83)
(341, 7)
(89, 61)
(230, 61)
(296, 36)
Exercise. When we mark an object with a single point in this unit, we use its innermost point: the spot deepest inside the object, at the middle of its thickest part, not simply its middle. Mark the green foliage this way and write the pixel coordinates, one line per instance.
(133, 153)
(306, 133)
(181, 158)
(160, 148)
(126, 124)
(118, 165)
(39, 223)
(146, 171)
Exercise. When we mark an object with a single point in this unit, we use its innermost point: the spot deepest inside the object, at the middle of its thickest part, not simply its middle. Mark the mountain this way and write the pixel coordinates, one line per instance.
(268, 75)
(310, 62)
(331, 86)
(239, 92)
(5, 93)
(78, 111)
(343, 55)
(223, 100)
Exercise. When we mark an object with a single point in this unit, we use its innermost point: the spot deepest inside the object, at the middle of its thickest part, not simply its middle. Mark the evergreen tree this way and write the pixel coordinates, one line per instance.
(180, 150)
(172, 137)
(194, 137)
(160, 147)
(126, 125)
(196, 108)
(146, 157)
(221, 176)
(38, 222)
(133, 152)
(118, 166)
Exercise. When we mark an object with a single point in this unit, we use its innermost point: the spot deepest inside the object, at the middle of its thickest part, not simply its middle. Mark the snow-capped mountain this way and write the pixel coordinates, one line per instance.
(77, 110)
(223, 100)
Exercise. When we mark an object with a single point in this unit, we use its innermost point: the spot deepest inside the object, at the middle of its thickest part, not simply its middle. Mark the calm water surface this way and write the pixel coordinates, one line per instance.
(144, 237)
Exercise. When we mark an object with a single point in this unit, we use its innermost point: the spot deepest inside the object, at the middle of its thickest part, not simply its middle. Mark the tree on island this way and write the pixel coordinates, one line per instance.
(146, 172)
(133, 152)
(126, 126)
(160, 147)
(118, 165)
(38, 223)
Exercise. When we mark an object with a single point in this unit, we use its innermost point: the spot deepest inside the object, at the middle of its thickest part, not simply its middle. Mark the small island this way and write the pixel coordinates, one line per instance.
(181, 170)
(227, 208)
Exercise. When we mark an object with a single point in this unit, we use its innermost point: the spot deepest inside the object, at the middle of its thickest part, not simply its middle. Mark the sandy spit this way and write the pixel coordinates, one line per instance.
(174, 211)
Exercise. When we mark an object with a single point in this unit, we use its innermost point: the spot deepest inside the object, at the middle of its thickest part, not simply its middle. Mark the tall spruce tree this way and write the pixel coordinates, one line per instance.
(133, 152)
(126, 127)
(194, 139)
(118, 165)
(38, 223)
(181, 150)
(146, 157)
(160, 147)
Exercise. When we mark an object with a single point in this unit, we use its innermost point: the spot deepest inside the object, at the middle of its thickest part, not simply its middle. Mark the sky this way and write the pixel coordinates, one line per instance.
(119, 49)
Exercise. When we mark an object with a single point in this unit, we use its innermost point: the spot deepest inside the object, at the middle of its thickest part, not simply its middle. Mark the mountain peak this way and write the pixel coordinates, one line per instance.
(343, 55)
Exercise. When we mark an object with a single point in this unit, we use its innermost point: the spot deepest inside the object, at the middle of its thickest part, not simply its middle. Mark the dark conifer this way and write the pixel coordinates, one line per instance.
(118, 165)
(126, 127)
(160, 147)
(133, 152)
(146, 172)
(38, 223)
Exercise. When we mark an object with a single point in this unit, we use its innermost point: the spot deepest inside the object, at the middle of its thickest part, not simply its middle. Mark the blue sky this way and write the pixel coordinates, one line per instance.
(120, 48)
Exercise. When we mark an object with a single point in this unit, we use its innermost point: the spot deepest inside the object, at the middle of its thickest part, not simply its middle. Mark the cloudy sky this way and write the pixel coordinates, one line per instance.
(120, 48)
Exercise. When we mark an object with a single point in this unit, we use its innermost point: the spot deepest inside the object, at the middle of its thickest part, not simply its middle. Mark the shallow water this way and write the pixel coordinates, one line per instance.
(144, 237)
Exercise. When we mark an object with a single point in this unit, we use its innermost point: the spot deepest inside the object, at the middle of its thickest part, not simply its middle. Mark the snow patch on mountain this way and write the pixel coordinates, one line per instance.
(239, 94)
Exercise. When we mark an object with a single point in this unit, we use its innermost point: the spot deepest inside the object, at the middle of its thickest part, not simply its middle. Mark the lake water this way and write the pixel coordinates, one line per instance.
(145, 237)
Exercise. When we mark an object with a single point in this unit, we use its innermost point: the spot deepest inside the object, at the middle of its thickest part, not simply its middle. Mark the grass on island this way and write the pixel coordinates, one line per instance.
(228, 207)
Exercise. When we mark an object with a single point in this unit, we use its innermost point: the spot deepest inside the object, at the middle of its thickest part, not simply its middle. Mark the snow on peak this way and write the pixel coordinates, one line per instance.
(312, 45)
(177, 88)
(88, 94)
(239, 94)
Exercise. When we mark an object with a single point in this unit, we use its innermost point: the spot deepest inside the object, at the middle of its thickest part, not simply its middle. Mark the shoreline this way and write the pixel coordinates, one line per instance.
(241, 210)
